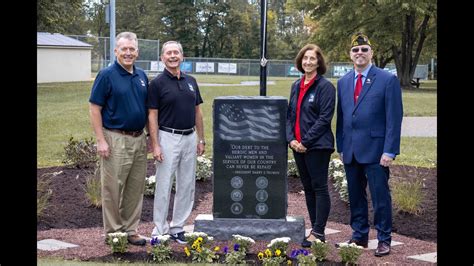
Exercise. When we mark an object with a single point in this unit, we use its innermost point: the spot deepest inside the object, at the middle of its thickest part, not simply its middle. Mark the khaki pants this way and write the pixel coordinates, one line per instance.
(179, 159)
(123, 182)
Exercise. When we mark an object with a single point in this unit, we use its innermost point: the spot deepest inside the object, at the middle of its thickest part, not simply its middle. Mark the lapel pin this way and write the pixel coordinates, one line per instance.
(368, 81)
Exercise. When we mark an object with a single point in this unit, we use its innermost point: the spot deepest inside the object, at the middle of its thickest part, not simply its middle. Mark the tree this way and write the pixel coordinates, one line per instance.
(288, 35)
(95, 13)
(397, 29)
(61, 16)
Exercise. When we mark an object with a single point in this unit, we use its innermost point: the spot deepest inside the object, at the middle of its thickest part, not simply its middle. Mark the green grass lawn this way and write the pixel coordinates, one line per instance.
(63, 111)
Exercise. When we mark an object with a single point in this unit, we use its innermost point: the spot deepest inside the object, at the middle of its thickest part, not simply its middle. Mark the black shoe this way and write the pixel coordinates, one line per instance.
(383, 249)
(136, 240)
(311, 238)
(363, 244)
(321, 237)
(306, 243)
(179, 237)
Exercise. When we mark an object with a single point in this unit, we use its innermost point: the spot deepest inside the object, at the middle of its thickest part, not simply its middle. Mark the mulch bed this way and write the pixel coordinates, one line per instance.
(69, 208)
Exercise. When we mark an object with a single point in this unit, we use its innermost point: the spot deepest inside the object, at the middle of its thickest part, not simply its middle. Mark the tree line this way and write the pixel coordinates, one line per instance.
(402, 32)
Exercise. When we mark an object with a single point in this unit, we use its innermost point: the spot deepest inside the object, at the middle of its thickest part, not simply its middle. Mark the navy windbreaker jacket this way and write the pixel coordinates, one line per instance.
(316, 112)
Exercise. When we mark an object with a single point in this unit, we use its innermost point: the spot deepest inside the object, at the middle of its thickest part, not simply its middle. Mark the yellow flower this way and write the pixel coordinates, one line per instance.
(260, 256)
(199, 249)
(217, 248)
(186, 250)
(288, 262)
(194, 246)
(268, 252)
(199, 239)
(277, 252)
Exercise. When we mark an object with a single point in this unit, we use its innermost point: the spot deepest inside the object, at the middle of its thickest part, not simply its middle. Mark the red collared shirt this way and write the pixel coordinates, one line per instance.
(303, 90)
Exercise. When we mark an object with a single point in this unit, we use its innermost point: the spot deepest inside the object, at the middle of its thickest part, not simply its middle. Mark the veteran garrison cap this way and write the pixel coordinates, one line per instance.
(360, 39)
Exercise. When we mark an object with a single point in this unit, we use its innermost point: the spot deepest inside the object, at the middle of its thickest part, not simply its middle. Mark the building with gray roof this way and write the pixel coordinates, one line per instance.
(61, 58)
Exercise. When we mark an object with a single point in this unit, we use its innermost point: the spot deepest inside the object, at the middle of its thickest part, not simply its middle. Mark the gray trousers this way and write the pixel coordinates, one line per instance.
(179, 160)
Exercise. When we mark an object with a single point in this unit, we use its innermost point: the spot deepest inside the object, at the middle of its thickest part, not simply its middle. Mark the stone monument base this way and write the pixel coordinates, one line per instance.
(257, 229)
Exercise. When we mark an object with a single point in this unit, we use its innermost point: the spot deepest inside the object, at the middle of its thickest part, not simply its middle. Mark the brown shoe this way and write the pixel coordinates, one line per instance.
(383, 249)
(136, 240)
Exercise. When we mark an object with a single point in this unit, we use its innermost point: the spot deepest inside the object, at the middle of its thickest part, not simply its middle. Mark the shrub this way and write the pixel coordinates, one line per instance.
(150, 183)
(203, 168)
(200, 252)
(192, 237)
(118, 242)
(407, 196)
(241, 245)
(280, 244)
(349, 253)
(160, 249)
(93, 186)
(43, 193)
(309, 259)
(244, 242)
(292, 169)
(272, 258)
(235, 258)
(203, 173)
(338, 174)
(80, 153)
(303, 257)
(320, 250)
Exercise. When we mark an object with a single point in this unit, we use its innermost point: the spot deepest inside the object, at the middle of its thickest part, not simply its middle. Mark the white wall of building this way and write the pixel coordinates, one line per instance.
(63, 64)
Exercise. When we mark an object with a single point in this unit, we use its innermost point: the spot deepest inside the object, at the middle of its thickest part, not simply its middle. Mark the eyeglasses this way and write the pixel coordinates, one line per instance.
(356, 50)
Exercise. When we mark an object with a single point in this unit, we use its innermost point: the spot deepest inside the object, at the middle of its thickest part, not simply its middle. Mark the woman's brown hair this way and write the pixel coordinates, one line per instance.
(321, 69)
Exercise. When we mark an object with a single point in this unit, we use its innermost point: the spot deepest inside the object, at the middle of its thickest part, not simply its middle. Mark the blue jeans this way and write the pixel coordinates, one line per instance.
(358, 175)
(313, 169)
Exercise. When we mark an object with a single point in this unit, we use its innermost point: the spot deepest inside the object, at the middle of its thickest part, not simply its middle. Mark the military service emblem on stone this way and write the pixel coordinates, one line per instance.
(250, 157)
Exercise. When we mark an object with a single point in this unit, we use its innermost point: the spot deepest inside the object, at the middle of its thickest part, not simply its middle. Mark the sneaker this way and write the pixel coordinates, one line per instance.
(179, 237)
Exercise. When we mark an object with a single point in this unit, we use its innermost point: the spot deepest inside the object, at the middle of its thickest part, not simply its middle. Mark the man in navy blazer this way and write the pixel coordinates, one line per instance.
(369, 119)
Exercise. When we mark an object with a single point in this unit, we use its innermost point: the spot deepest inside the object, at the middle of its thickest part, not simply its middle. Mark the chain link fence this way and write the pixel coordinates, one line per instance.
(100, 55)
(150, 53)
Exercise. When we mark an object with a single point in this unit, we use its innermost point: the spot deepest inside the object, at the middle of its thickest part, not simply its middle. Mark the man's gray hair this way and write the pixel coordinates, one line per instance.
(126, 35)
(180, 47)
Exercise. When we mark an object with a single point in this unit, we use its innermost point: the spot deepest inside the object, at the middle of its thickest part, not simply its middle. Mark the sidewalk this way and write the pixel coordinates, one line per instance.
(419, 126)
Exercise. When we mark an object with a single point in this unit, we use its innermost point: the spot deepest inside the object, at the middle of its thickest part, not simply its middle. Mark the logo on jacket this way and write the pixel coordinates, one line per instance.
(190, 87)
(311, 98)
(143, 82)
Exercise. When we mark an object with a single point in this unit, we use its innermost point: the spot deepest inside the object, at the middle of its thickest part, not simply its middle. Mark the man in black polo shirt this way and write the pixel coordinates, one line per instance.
(174, 118)
(118, 116)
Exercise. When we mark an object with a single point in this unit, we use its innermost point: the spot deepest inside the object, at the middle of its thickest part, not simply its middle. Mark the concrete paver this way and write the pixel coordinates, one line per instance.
(53, 244)
(419, 127)
(429, 257)
(374, 242)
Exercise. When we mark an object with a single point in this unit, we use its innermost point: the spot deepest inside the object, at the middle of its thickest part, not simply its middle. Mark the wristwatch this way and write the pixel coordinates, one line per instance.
(201, 141)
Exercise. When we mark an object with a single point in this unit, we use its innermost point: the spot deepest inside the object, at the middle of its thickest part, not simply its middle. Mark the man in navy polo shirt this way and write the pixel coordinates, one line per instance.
(174, 118)
(118, 116)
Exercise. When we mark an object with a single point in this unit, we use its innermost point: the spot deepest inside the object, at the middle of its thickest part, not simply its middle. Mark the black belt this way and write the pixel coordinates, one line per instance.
(177, 131)
(129, 133)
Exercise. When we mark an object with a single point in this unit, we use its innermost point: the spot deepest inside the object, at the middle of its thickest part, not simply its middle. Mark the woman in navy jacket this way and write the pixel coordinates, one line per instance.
(309, 134)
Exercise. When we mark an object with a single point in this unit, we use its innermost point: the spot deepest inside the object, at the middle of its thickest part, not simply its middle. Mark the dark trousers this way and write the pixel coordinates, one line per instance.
(313, 169)
(377, 176)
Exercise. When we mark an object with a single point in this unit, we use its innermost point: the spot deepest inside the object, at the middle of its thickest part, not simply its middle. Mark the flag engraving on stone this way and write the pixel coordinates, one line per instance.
(248, 123)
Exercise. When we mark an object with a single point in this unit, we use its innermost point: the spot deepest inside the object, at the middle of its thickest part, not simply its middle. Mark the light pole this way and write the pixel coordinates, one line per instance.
(110, 18)
(263, 48)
